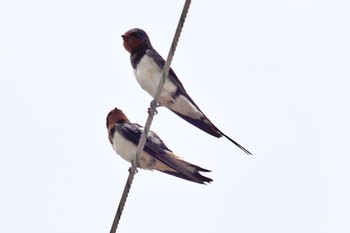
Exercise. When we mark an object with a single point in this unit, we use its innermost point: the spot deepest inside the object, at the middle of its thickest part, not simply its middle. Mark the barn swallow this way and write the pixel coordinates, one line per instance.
(124, 137)
(148, 65)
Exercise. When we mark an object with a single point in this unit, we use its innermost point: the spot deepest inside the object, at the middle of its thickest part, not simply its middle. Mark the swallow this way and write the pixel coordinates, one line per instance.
(147, 65)
(124, 137)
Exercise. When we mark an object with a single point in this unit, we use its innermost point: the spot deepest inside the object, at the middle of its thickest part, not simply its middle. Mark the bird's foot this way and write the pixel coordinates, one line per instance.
(149, 111)
(153, 105)
(131, 170)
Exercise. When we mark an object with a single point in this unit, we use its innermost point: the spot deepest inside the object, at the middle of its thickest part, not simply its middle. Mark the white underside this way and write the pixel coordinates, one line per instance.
(124, 148)
(148, 75)
(127, 150)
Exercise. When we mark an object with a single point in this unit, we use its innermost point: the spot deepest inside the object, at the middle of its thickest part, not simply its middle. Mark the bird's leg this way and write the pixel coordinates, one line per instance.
(130, 170)
(153, 105)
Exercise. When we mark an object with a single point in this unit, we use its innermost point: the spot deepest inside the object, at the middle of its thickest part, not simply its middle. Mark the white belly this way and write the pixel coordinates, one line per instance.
(127, 150)
(123, 147)
(148, 75)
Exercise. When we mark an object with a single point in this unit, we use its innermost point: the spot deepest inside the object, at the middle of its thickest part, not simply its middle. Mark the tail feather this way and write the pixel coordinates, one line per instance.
(208, 127)
(237, 144)
(195, 177)
(201, 124)
(185, 170)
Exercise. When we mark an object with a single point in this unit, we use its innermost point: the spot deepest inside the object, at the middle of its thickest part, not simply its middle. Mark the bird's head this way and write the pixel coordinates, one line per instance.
(115, 116)
(136, 39)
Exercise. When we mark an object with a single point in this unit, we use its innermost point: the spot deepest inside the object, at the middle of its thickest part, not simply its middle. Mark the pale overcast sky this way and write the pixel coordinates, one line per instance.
(273, 75)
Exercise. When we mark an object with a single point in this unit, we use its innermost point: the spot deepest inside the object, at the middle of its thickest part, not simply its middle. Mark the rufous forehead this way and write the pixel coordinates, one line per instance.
(115, 116)
(129, 33)
(115, 112)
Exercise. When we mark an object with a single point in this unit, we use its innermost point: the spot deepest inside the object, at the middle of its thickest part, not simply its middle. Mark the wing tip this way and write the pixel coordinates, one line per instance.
(194, 177)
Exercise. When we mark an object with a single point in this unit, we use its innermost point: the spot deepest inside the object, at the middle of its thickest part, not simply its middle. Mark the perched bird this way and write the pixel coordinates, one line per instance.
(148, 65)
(124, 137)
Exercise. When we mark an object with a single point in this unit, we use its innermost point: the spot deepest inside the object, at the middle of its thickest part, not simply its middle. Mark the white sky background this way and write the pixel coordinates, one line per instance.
(274, 75)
